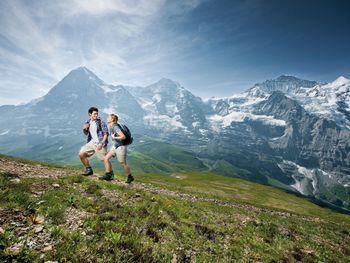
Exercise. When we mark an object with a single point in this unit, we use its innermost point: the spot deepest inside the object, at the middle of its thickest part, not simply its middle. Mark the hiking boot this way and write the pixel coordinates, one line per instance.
(108, 176)
(130, 179)
(88, 171)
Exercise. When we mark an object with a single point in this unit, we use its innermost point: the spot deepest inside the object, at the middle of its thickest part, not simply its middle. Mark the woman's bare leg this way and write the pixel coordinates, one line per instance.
(126, 168)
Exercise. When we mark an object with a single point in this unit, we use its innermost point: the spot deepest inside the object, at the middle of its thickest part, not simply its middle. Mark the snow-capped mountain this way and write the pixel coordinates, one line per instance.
(171, 107)
(331, 100)
(288, 130)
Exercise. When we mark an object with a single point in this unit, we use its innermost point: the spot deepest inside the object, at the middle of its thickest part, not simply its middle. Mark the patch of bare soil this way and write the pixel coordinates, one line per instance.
(75, 218)
(31, 234)
(30, 170)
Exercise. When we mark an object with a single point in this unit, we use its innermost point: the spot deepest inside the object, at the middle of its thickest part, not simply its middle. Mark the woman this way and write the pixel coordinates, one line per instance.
(118, 150)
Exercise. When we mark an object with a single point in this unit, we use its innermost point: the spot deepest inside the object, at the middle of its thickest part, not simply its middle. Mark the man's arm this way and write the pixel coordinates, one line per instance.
(86, 128)
(103, 142)
(105, 135)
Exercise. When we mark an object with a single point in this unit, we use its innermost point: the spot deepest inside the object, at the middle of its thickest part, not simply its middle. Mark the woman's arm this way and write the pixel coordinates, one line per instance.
(120, 135)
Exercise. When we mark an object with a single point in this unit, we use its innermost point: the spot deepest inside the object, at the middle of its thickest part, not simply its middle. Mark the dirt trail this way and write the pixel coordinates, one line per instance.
(30, 170)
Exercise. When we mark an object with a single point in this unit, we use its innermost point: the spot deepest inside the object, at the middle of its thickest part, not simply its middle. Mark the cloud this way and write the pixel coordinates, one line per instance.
(123, 42)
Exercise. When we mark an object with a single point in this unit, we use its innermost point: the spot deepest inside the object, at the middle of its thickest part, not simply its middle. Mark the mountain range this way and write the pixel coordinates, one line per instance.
(286, 132)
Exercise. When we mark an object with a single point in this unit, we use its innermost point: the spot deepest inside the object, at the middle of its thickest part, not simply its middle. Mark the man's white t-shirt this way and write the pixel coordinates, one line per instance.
(93, 132)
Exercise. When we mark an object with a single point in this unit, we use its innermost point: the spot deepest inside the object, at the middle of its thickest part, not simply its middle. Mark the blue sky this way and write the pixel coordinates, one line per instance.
(213, 48)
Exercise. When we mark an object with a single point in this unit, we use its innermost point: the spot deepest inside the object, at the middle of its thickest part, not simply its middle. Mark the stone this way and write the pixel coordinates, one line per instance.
(47, 248)
(2, 231)
(38, 229)
(15, 181)
(15, 249)
(56, 185)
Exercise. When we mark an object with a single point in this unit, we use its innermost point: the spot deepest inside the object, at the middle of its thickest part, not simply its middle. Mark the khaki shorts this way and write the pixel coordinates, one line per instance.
(120, 153)
(90, 148)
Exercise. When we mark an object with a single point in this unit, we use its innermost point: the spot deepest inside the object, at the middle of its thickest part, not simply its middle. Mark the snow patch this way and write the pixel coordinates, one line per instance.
(339, 82)
(306, 180)
(164, 122)
(195, 124)
(4, 133)
(156, 98)
(242, 116)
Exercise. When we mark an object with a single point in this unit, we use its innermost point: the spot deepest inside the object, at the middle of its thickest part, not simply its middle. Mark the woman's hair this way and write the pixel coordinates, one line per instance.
(114, 119)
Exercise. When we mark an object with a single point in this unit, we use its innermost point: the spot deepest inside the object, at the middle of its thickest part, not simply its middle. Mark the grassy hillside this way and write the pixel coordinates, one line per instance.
(149, 155)
(53, 213)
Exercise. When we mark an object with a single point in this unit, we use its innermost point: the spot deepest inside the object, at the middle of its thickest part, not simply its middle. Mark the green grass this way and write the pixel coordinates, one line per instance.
(128, 225)
(211, 185)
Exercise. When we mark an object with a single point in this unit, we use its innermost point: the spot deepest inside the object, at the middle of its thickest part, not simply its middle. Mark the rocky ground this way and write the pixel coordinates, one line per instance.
(30, 170)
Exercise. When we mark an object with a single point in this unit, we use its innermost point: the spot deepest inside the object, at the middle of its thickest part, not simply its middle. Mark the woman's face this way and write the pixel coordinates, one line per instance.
(110, 119)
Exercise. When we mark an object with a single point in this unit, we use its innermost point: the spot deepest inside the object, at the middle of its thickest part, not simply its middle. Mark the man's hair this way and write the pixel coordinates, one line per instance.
(92, 109)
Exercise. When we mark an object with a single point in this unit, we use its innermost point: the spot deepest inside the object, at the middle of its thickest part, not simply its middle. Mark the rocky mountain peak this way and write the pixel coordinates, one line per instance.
(78, 81)
(340, 81)
(165, 85)
(284, 83)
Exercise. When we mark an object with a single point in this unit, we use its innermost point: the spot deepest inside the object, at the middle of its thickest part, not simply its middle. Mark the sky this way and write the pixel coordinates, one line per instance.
(211, 47)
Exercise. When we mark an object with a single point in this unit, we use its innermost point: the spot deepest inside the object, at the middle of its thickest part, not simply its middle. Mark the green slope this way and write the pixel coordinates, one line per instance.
(190, 216)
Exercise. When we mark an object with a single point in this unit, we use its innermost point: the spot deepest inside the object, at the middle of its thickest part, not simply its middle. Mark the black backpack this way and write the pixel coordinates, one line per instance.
(128, 138)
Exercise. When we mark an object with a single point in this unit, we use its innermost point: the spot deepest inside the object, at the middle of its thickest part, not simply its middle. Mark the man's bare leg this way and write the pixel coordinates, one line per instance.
(84, 159)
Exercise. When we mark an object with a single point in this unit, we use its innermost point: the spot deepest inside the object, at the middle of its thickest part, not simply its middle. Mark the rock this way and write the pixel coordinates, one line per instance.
(142, 230)
(36, 193)
(15, 180)
(51, 261)
(2, 231)
(15, 249)
(22, 231)
(56, 185)
(38, 229)
(47, 249)
(137, 195)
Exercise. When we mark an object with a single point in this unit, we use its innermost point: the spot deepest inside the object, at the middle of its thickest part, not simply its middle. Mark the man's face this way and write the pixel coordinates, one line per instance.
(93, 115)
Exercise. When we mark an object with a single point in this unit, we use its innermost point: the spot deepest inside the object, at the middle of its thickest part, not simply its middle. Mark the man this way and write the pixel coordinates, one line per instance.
(118, 150)
(97, 134)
